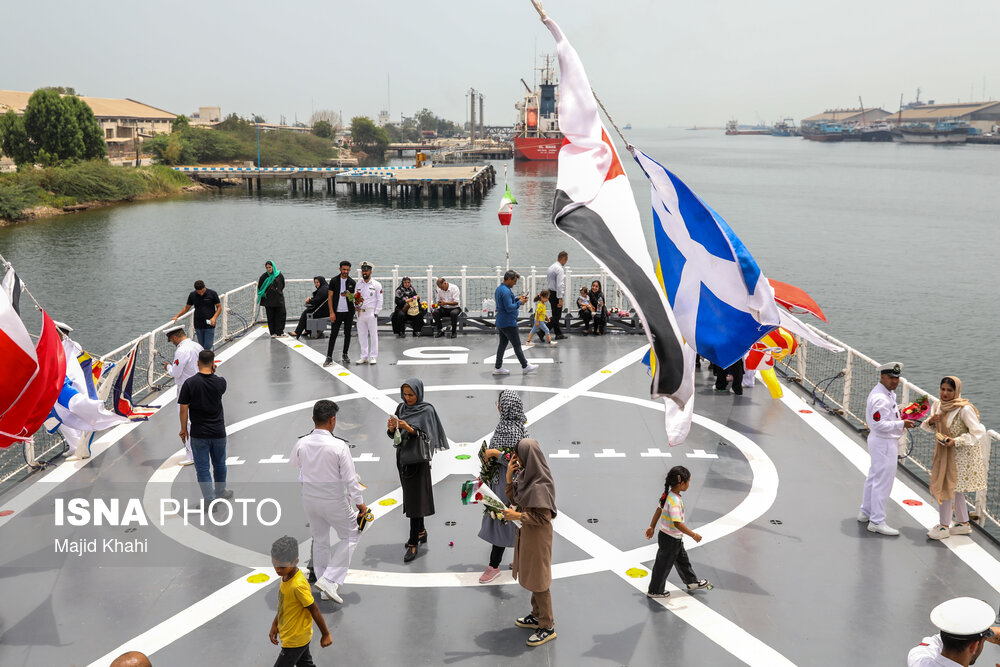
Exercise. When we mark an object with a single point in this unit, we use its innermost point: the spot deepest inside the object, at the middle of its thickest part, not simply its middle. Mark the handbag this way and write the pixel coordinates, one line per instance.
(414, 308)
(412, 448)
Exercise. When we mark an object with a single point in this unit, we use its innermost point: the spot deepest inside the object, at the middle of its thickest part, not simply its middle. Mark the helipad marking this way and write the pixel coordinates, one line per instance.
(234, 461)
(608, 454)
(563, 454)
(701, 454)
(275, 458)
(655, 452)
(367, 457)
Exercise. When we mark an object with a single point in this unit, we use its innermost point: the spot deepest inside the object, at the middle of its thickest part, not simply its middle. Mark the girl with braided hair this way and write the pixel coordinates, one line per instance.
(670, 515)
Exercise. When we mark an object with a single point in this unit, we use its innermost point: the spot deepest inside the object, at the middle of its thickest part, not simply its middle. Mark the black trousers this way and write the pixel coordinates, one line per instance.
(441, 313)
(295, 657)
(556, 318)
(671, 553)
(400, 320)
(275, 319)
(736, 370)
(345, 319)
(509, 335)
(600, 320)
(496, 555)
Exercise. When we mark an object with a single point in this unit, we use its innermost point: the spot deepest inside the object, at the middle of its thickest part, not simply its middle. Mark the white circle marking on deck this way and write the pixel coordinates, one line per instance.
(759, 499)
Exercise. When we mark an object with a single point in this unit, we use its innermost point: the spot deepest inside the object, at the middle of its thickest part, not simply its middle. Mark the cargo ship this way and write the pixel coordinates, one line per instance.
(537, 135)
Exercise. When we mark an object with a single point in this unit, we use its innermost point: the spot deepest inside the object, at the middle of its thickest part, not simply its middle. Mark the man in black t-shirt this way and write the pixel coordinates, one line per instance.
(200, 400)
(207, 307)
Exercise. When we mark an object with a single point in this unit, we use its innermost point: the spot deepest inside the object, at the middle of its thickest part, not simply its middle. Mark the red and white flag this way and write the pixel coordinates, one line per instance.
(594, 205)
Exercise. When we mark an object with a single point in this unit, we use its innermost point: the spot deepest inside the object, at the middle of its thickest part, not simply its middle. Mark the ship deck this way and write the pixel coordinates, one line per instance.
(774, 492)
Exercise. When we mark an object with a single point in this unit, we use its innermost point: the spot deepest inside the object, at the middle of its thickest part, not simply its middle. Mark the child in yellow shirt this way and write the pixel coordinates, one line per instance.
(296, 608)
(541, 317)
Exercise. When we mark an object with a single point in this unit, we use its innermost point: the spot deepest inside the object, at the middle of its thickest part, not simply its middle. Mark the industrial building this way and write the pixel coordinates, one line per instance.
(984, 116)
(847, 116)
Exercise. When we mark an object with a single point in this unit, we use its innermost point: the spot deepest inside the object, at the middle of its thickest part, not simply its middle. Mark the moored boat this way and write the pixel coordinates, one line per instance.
(943, 132)
(823, 132)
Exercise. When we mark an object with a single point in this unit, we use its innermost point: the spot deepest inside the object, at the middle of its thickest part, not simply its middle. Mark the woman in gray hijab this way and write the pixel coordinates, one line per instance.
(531, 489)
(494, 459)
(417, 432)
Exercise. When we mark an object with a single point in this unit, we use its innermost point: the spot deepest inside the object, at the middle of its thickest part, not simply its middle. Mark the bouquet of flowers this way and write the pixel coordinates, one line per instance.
(475, 492)
(917, 409)
(358, 299)
(349, 296)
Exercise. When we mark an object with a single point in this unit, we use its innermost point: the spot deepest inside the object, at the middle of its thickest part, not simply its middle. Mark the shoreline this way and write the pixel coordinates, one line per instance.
(39, 213)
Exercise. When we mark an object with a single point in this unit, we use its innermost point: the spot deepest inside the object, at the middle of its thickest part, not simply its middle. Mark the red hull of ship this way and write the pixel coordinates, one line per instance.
(537, 148)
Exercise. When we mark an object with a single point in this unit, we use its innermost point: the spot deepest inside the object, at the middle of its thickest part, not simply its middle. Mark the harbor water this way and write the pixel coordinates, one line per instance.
(895, 242)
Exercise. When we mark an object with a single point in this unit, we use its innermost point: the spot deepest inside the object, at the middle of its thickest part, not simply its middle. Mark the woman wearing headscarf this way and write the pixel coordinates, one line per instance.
(408, 310)
(531, 489)
(417, 433)
(316, 305)
(596, 296)
(495, 459)
(958, 459)
(271, 295)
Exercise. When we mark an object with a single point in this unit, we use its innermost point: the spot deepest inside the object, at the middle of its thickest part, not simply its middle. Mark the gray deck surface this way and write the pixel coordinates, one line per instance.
(803, 577)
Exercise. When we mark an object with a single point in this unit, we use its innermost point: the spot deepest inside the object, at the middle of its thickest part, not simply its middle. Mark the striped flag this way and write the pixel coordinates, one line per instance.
(721, 299)
(594, 205)
(11, 286)
(122, 402)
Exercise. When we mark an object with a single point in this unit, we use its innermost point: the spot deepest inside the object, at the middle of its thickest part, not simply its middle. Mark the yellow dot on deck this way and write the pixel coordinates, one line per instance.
(387, 502)
(343, 374)
(605, 371)
(299, 345)
(636, 572)
(257, 578)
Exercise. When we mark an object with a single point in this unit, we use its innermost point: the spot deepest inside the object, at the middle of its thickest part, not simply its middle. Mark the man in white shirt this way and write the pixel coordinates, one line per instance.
(965, 625)
(185, 365)
(555, 278)
(885, 427)
(368, 308)
(330, 488)
(449, 304)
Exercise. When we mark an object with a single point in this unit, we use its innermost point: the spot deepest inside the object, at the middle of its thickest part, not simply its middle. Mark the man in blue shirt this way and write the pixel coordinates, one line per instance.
(507, 307)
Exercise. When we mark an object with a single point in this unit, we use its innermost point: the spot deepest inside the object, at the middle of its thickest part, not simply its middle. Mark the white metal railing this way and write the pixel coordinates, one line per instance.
(841, 382)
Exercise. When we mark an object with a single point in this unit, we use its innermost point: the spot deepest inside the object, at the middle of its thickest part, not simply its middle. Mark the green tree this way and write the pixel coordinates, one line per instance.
(323, 129)
(63, 90)
(91, 132)
(52, 127)
(173, 150)
(367, 136)
(180, 123)
(14, 141)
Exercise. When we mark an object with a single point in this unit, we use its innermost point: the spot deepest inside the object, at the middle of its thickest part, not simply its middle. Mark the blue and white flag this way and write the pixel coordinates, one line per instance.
(720, 298)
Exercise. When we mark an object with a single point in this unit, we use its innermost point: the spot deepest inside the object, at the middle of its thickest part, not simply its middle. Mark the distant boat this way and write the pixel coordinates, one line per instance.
(733, 128)
(942, 132)
(784, 128)
(628, 126)
(823, 132)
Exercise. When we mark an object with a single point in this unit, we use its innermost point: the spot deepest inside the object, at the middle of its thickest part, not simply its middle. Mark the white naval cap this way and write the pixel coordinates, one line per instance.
(964, 617)
(366, 265)
(65, 328)
(177, 328)
(893, 369)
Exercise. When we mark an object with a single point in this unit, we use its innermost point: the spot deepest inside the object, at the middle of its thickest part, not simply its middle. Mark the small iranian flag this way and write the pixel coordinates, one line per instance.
(506, 211)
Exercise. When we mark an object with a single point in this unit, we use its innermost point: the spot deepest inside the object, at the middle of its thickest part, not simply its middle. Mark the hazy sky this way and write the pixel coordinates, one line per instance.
(653, 62)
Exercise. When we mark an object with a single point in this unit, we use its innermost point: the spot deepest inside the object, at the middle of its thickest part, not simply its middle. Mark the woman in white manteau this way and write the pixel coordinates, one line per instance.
(958, 465)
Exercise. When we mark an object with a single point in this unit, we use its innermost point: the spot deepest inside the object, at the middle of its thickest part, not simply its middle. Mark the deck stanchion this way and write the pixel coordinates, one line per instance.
(430, 283)
(225, 316)
(464, 285)
(848, 373)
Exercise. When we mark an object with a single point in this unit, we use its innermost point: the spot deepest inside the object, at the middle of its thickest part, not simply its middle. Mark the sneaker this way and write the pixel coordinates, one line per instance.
(363, 360)
(938, 532)
(323, 596)
(961, 529)
(327, 362)
(541, 636)
(372, 361)
(454, 334)
(882, 529)
(664, 594)
(560, 337)
(187, 462)
(501, 371)
(862, 517)
(530, 368)
(701, 583)
(528, 621)
(345, 359)
(489, 575)
(552, 342)
(527, 345)
(330, 588)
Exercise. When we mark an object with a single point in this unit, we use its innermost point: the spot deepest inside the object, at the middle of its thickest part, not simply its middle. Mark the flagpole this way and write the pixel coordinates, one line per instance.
(506, 228)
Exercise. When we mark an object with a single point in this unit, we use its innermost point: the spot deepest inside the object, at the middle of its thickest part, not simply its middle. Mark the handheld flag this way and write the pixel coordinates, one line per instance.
(594, 205)
(721, 299)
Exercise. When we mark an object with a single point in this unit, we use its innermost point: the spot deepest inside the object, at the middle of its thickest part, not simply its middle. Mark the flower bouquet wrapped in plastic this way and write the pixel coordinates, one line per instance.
(917, 409)
(475, 492)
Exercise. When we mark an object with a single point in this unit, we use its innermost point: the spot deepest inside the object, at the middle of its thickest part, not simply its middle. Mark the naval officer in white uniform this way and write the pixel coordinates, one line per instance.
(885, 427)
(185, 366)
(965, 628)
(368, 310)
(330, 492)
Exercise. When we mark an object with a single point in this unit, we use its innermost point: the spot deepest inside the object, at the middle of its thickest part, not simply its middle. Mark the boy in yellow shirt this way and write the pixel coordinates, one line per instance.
(295, 606)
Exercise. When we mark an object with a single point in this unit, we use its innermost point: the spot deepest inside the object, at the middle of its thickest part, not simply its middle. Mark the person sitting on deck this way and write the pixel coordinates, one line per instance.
(316, 305)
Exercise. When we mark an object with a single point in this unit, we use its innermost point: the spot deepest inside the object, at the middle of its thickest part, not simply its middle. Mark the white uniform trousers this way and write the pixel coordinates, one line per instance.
(332, 512)
(881, 473)
(367, 324)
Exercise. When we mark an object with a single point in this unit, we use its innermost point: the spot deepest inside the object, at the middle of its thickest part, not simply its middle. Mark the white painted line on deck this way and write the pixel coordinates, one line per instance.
(275, 458)
(963, 546)
(234, 461)
(366, 457)
(701, 454)
(655, 452)
(563, 454)
(609, 454)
